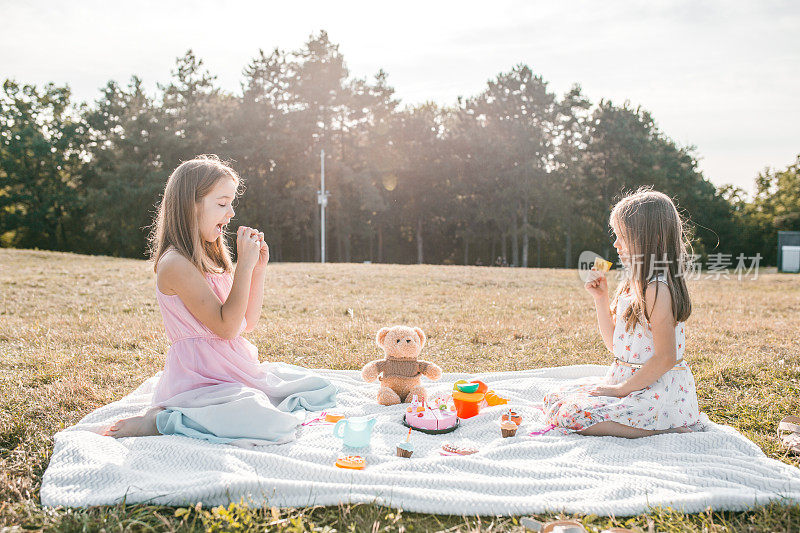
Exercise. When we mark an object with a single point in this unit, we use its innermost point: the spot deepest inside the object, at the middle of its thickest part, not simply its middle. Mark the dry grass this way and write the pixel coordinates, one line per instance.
(78, 332)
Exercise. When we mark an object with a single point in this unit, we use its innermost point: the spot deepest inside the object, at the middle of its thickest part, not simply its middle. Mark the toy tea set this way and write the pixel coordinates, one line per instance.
(399, 374)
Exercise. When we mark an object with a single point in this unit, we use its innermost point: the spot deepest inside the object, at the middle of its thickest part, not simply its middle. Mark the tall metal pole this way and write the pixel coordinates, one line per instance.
(322, 200)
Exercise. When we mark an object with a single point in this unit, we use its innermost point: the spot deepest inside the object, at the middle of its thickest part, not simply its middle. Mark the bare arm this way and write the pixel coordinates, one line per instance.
(605, 322)
(662, 323)
(597, 286)
(256, 296)
(255, 299)
(177, 275)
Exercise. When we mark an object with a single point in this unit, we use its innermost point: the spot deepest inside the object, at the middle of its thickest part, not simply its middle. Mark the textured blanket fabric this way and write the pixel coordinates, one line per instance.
(714, 467)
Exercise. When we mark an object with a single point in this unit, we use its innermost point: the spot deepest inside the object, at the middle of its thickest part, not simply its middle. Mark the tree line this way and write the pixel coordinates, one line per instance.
(516, 172)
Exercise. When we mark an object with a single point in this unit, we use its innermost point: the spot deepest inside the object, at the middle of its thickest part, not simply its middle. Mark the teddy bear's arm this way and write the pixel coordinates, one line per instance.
(371, 370)
(430, 370)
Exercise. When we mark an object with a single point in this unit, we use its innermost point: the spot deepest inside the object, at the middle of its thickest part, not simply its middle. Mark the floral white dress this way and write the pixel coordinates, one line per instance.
(668, 403)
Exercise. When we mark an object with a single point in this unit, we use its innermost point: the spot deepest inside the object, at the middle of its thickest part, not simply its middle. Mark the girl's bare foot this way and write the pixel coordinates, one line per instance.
(136, 426)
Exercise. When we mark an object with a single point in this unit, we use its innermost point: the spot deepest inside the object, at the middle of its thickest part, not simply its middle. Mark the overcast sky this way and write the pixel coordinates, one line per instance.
(723, 76)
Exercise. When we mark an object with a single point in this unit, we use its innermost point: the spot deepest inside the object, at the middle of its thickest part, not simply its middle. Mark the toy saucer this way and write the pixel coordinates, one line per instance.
(452, 449)
(352, 462)
(434, 431)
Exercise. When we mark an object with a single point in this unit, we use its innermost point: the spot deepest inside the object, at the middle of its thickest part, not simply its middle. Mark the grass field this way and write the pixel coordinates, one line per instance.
(77, 332)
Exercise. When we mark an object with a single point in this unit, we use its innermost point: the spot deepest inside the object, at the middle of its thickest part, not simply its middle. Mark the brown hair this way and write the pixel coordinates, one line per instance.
(176, 223)
(653, 231)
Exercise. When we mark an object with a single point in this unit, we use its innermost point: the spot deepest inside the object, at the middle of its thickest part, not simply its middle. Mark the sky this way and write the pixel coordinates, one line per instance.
(722, 76)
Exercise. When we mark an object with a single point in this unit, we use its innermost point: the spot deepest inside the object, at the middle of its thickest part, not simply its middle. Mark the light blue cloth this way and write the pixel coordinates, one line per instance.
(232, 413)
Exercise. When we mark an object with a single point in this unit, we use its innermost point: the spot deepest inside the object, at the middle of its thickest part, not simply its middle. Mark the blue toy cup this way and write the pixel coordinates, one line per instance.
(356, 432)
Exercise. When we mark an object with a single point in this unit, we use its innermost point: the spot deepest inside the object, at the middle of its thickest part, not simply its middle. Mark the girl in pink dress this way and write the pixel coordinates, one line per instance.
(649, 388)
(213, 386)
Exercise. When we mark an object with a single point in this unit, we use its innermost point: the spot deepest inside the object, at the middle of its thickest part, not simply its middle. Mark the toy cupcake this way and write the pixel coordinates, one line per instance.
(508, 428)
(405, 448)
(513, 416)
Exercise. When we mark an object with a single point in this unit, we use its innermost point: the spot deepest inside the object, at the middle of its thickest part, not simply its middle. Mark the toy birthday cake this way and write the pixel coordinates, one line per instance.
(437, 418)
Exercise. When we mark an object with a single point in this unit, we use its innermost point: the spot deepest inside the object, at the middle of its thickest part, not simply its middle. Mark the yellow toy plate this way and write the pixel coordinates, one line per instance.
(493, 399)
(601, 264)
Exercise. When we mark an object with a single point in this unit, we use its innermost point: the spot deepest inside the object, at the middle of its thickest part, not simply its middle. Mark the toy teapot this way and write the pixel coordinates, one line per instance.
(356, 432)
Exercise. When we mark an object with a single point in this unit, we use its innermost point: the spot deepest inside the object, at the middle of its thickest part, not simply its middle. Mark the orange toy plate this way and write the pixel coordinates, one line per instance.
(353, 462)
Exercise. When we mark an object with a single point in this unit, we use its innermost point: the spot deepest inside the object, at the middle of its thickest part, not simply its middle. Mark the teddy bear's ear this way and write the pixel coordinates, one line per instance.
(422, 337)
(381, 336)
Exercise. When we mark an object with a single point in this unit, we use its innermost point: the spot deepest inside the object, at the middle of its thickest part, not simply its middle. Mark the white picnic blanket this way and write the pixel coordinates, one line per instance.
(715, 467)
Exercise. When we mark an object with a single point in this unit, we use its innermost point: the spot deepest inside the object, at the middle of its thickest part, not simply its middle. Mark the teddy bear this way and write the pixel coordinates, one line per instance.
(399, 371)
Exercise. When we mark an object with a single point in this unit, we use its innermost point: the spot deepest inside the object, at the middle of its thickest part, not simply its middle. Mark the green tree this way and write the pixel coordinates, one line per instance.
(776, 207)
(271, 156)
(418, 198)
(625, 151)
(195, 114)
(127, 172)
(519, 115)
(512, 167)
(41, 161)
(568, 198)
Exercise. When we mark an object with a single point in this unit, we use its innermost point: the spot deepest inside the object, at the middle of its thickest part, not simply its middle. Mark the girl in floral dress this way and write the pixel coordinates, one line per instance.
(649, 388)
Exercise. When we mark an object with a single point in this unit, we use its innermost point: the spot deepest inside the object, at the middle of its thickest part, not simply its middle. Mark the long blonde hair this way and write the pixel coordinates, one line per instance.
(176, 223)
(653, 230)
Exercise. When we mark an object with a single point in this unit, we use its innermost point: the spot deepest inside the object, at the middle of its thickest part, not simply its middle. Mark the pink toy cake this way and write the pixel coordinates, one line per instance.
(429, 419)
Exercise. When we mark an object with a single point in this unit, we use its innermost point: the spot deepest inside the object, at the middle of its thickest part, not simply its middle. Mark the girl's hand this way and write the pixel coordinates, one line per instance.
(263, 253)
(615, 391)
(596, 284)
(248, 248)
